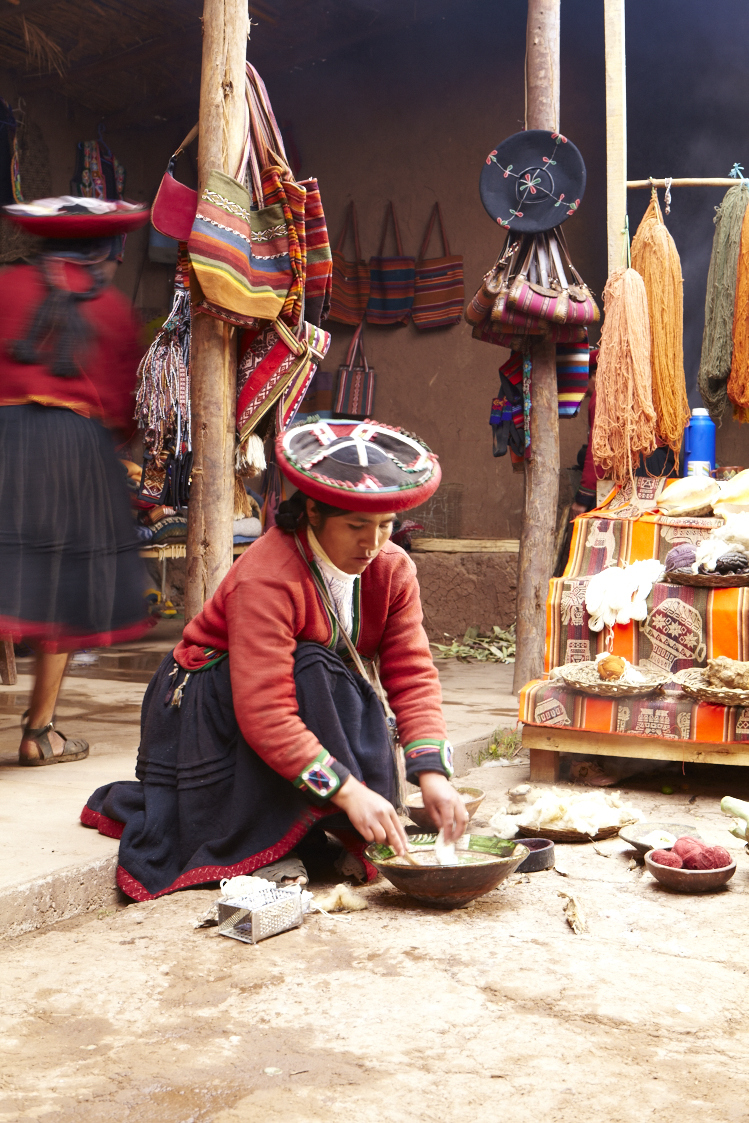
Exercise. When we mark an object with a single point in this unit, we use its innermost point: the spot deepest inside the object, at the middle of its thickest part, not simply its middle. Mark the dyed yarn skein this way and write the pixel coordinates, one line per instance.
(738, 382)
(625, 423)
(717, 338)
(656, 259)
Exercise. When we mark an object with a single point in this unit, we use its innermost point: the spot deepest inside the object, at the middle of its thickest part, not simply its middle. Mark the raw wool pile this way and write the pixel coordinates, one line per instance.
(656, 259)
(731, 538)
(587, 813)
(690, 495)
(625, 419)
(738, 382)
(616, 596)
(733, 495)
(717, 338)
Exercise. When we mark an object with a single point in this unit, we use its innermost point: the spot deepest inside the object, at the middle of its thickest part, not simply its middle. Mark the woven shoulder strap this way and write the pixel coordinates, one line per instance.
(348, 220)
(436, 213)
(390, 213)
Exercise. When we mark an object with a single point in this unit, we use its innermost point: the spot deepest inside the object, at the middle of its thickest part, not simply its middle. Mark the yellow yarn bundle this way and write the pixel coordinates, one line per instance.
(738, 382)
(656, 259)
(625, 419)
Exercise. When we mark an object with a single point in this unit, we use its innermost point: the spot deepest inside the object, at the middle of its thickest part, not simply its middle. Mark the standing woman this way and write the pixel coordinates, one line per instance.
(263, 722)
(70, 575)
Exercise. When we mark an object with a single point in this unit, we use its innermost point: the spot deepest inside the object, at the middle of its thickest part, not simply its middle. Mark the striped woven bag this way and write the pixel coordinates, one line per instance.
(350, 278)
(439, 294)
(391, 281)
(356, 384)
(319, 283)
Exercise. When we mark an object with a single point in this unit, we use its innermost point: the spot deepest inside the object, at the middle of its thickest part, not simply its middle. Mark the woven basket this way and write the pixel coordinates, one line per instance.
(693, 684)
(708, 580)
(585, 678)
(568, 836)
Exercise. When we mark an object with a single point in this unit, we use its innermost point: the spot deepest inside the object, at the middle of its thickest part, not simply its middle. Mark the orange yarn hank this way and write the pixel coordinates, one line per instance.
(738, 382)
(656, 259)
(625, 419)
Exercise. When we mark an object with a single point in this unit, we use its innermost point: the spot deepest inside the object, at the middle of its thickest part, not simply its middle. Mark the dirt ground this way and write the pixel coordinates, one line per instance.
(495, 1012)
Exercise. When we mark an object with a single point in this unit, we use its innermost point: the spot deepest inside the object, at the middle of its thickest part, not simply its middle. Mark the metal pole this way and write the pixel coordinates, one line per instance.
(542, 471)
(214, 344)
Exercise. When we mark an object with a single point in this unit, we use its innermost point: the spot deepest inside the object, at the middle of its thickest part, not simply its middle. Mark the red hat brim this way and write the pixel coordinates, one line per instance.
(359, 498)
(81, 225)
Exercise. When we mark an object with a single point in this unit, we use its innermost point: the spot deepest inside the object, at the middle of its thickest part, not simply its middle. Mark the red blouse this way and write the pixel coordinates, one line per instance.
(110, 364)
(268, 601)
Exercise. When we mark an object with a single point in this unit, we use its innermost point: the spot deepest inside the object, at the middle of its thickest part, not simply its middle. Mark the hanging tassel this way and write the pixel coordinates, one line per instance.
(717, 338)
(738, 383)
(625, 419)
(249, 458)
(656, 259)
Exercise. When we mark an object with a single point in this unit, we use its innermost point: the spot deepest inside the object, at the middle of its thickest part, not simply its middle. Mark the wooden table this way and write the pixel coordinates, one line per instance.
(175, 550)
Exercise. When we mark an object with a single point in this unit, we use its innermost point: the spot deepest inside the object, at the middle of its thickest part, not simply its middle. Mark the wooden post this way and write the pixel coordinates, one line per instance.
(542, 471)
(616, 130)
(214, 344)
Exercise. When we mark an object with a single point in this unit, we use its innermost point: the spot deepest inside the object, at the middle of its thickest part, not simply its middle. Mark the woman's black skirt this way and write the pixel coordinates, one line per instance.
(70, 574)
(205, 806)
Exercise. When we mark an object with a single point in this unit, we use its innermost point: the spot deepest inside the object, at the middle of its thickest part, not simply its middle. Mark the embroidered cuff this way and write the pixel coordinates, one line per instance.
(428, 755)
(323, 776)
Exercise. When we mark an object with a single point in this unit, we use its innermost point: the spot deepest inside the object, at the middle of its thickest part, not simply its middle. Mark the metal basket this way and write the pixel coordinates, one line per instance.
(251, 919)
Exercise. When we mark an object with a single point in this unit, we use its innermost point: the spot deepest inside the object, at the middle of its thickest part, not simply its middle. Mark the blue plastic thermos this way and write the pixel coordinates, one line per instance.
(699, 444)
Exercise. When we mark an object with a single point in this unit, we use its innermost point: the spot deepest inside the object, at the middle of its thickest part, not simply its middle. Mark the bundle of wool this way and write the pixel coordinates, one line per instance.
(681, 557)
(656, 259)
(717, 338)
(666, 858)
(625, 419)
(738, 383)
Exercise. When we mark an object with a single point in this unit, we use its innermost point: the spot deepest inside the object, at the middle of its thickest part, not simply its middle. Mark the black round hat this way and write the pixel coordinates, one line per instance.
(532, 181)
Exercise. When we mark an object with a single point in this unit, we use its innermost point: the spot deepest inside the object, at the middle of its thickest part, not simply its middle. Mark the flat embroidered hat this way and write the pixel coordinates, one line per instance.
(532, 181)
(358, 465)
(71, 217)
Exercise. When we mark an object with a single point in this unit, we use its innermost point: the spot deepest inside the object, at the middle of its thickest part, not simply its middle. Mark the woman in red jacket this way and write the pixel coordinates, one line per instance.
(261, 724)
(70, 575)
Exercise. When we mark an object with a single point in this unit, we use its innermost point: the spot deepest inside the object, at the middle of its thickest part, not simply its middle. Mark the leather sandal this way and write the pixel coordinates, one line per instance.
(72, 749)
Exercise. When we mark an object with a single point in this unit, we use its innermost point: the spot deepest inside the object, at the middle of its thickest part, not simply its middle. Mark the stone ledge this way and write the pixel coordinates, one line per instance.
(59, 896)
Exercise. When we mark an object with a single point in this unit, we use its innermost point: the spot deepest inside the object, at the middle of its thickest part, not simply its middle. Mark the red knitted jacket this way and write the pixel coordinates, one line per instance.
(268, 601)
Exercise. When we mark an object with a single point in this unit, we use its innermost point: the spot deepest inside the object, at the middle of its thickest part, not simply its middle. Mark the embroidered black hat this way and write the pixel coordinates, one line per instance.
(532, 181)
(358, 465)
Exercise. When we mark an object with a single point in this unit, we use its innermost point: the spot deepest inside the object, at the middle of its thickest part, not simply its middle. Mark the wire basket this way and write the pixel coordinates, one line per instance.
(264, 914)
(585, 678)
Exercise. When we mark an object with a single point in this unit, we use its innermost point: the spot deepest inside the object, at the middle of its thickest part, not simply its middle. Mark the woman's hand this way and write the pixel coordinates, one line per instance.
(443, 804)
(373, 817)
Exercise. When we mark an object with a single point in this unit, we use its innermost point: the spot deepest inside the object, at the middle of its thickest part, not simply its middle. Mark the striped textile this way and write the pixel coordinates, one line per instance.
(319, 281)
(391, 281)
(240, 257)
(438, 287)
(573, 369)
(488, 332)
(275, 363)
(290, 196)
(356, 384)
(350, 278)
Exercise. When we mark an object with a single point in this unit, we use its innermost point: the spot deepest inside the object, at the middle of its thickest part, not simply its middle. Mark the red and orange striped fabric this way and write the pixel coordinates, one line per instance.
(438, 291)
(319, 283)
(391, 281)
(350, 278)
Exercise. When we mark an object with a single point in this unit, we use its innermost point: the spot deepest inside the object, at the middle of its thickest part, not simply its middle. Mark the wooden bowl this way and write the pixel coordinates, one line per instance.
(421, 817)
(450, 887)
(690, 881)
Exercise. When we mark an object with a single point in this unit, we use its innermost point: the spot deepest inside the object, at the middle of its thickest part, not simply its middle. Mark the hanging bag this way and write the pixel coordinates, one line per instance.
(318, 286)
(350, 278)
(175, 204)
(542, 290)
(391, 281)
(438, 289)
(356, 384)
(496, 283)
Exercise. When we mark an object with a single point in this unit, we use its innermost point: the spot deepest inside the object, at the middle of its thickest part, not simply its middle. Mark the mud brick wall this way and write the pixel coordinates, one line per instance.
(460, 591)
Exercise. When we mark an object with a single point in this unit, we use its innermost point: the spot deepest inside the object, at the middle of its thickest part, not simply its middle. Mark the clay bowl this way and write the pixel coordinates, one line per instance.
(420, 816)
(449, 887)
(541, 855)
(690, 881)
(633, 833)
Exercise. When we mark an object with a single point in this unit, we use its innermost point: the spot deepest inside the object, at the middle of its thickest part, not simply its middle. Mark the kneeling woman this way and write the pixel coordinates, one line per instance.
(261, 724)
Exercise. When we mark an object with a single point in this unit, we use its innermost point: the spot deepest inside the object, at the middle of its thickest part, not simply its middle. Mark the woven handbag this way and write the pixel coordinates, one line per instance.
(438, 289)
(350, 278)
(356, 384)
(175, 205)
(319, 281)
(496, 282)
(391, 280)
(541, 288)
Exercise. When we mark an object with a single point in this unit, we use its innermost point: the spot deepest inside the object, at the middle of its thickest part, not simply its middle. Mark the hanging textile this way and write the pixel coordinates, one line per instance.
(98, 173)
(738, 383)
(625, 419)
(656, 259)
(717, 338)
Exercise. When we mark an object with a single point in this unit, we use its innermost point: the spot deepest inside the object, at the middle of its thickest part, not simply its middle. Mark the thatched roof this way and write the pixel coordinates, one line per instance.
(137, 62)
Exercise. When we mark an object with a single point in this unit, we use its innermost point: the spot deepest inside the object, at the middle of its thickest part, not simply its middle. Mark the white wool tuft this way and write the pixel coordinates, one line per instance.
(616, 596)
(587, 812)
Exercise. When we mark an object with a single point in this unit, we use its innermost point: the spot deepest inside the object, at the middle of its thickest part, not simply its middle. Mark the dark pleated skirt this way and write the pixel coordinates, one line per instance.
(205, 806)
(70, 574)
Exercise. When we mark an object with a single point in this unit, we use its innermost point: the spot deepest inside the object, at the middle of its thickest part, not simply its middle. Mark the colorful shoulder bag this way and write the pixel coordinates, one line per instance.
(438, 289)
(350, 278)
(356, 384)
(391, 281)
(175, 205)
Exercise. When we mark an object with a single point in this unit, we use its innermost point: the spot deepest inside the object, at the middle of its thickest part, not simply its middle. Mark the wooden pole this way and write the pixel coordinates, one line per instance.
(214, 344)
(616, 130)
(542, 471)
